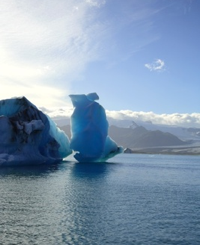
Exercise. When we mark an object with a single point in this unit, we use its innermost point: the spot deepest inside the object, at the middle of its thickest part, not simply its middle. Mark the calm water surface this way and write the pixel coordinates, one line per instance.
(132, 199)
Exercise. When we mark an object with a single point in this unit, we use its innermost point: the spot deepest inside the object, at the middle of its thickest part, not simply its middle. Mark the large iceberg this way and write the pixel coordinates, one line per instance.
(28, 136)
(89, 128)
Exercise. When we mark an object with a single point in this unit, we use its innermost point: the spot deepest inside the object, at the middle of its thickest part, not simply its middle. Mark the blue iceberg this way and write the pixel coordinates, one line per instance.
(89, 128)
(28, 136)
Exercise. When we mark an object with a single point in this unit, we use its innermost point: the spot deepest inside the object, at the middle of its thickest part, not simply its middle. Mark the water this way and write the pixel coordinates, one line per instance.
(132, 199)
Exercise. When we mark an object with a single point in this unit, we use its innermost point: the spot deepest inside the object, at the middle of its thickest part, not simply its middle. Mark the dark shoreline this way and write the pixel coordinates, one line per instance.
(194, 150)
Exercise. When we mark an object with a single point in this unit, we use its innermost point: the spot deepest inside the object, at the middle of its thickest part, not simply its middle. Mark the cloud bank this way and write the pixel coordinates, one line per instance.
(178, 119)
(127, 116)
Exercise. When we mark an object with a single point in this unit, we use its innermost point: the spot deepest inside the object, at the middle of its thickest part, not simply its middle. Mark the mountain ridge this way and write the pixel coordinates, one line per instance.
(139, 137)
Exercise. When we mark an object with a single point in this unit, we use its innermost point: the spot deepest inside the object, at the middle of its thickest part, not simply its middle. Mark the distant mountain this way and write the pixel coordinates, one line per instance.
(66, 129)
(182, 133)
(140, 137)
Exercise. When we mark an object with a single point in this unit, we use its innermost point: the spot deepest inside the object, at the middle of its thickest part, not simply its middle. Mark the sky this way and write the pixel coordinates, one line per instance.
(140, 57)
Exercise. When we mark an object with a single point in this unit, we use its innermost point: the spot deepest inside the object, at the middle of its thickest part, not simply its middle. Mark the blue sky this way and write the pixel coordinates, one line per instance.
(137, 55)
(164, 36)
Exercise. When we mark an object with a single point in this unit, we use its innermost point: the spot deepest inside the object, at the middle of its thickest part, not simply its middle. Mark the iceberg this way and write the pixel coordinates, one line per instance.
(89, 130)
(28, 136)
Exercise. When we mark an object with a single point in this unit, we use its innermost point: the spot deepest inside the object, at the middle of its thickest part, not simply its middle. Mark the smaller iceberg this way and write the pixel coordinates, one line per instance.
(28, 136)
(89, 129)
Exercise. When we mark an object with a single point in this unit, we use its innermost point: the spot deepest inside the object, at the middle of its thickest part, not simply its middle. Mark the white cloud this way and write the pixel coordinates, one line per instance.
(45, 44)
(127, 116)
(158, 65)
(37, 94)
(96, 3)
(184, 120)
(49, 43)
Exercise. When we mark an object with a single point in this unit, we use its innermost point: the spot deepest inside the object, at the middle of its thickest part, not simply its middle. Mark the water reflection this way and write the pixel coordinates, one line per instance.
(78, 169)
(85, 205)
(38, 170)
(64, 203)
(90, 170)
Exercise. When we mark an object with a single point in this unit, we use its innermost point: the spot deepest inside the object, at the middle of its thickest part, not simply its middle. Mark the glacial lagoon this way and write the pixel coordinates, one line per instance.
(130, 199)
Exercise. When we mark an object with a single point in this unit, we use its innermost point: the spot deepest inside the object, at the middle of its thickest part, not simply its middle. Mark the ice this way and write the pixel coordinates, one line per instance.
(89, 128)
(28, 136)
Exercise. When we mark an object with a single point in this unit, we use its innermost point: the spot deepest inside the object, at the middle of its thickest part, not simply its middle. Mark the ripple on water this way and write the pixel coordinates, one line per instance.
(135, 200)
